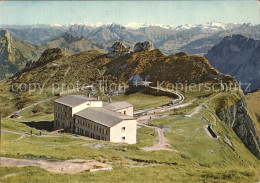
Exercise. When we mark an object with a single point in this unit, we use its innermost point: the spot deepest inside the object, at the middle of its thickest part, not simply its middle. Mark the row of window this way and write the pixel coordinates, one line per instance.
(92, 126)
(60, 108)
(61, 116)
(89, 134)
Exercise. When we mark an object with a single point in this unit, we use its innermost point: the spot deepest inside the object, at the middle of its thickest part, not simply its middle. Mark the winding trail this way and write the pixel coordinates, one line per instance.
(180, 99)
(73, 136)
(69, 166)
(197, 109)
(144, 115)
(162, 141)
(32, 105)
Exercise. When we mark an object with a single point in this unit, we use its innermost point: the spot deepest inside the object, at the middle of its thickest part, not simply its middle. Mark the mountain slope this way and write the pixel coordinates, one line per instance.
(56, 68)
(15, 54)
(238, 56)
(72, 44)
(155, 66)
(35, 34)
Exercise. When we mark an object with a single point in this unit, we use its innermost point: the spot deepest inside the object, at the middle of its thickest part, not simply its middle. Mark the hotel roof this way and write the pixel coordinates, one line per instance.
(114, 106)
(74, 100)
(103, 116)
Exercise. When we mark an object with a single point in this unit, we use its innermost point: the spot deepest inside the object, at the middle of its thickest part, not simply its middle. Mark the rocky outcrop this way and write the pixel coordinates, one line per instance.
(50, 55)
(239, 56)
(118, 49)
(144, 46)
(14, 54)
(237, 117)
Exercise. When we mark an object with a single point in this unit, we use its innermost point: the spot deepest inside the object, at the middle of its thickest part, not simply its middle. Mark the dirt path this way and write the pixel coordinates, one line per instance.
(69, 166)
(34, 104)
(27, 134)
(197, 109)
(150, 114)
(162, 108)
(73, 136)
(162, 141)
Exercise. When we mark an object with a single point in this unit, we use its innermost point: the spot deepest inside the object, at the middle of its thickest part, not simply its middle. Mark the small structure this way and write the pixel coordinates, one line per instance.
(92, 118)
(212, 132)
(16, 115)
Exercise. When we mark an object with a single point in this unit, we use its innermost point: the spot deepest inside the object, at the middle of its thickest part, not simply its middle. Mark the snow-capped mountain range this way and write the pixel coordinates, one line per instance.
(193, 39)
(134, 25)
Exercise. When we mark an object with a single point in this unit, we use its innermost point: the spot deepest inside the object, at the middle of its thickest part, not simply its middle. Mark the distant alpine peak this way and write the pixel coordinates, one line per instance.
(214, 26)
(209, 25)
(134, 25)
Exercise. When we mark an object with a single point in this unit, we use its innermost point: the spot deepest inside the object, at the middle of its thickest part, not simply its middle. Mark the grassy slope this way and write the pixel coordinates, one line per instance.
(155, 66)
(143, 101)
(200, 158)
(254, 108)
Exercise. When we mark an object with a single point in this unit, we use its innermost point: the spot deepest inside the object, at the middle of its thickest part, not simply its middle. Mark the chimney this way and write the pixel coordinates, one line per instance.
(97, 97)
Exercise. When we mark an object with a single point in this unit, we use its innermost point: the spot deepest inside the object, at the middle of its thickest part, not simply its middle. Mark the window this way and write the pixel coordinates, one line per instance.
(124, 112)
(86, 133)
(88, 125)
(123, 138)
(123, 129)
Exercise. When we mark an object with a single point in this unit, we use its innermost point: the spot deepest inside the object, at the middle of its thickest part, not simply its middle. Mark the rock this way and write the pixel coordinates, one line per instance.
(50, 55)
(237, 117)
(29, 64)
(118, 49)
(144, 46)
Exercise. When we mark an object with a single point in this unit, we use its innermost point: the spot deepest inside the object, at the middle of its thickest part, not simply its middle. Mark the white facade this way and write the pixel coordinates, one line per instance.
(113, 123)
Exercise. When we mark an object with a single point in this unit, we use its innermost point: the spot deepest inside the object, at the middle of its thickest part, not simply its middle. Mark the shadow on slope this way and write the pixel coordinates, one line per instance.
(41, 125)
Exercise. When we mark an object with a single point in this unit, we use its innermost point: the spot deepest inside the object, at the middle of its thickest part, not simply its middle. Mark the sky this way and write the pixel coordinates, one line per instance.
(125, 12)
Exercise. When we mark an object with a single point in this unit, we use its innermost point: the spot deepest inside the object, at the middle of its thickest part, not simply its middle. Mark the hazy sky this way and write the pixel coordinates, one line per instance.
(122, 12)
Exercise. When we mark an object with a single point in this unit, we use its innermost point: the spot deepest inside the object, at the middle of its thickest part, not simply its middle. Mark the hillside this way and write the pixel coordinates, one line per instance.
(155, 66)
(57, 67)
(151, 65)
(35, 34)
(72, 44)
(238, 56)
(15, 54)
(192, 153)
